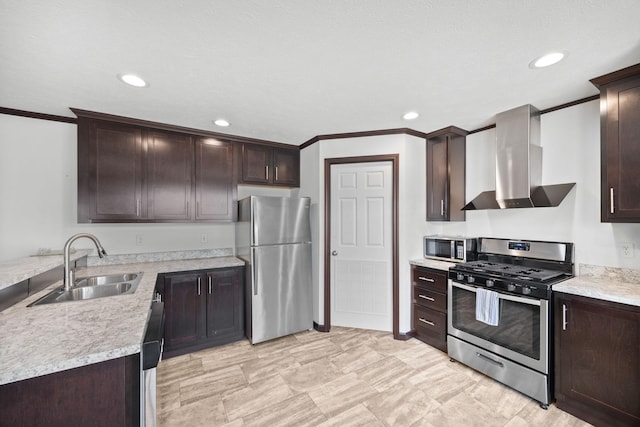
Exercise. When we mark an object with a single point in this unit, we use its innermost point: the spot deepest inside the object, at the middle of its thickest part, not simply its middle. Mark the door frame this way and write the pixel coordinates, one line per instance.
(394, 159)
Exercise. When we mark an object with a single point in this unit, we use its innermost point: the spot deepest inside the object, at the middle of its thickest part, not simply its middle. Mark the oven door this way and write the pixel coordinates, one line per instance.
(522, 334)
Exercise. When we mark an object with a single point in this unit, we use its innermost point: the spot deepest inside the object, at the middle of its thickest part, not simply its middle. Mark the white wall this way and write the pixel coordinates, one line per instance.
(570, 140)
(38, 199)
(571, 153)
(412, 189)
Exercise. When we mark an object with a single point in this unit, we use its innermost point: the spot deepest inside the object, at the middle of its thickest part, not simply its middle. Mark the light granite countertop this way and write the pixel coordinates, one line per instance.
(432, 263)
(40, 340)
(605, 283)
(15, 271)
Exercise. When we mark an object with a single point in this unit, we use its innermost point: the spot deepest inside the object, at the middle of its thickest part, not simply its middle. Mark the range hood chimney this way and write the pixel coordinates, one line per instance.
(519, 165)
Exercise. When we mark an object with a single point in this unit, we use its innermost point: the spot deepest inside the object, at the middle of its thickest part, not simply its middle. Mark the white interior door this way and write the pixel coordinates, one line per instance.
(361, 248)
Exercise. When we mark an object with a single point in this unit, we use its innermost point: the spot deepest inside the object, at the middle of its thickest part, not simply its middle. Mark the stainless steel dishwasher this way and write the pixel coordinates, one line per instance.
(151, 354)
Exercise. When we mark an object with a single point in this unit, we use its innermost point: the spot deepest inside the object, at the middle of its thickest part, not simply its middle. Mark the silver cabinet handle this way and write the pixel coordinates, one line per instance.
(426, 321)
(187, 208)
(334, 253)
(266, 172)
(426, 279)
(199, 285)
(276, 168)
(488, 359)
(564, 317)
(209, 285)
(137, 207)
(442, 207)
(611, 204)
(426, 297)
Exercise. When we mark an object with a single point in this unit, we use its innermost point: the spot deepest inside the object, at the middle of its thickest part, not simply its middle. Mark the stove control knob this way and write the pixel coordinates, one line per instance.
(511, 287)
(526, 290)
(489, 283)
(471, 279)
(460, 277)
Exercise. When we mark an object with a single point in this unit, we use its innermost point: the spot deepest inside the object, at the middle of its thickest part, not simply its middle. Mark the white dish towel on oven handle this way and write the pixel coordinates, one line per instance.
(487, 306)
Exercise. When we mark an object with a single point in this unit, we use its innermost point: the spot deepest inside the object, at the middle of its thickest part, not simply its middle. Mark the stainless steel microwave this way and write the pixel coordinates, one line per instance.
(454, 249)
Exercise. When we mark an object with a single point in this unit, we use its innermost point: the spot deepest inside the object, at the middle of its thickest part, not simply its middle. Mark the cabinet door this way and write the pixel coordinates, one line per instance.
(437, 180)
(169, 175)
(115, 172)
(215, 181)
(597, 354)
(621, 153)
(256, 161)
(184, 309)
(224, 304)
(286, 167)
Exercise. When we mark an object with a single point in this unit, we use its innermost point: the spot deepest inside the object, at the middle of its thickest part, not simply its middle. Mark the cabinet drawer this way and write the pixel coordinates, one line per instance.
(430, 326)
(430, 299)
(430, 279)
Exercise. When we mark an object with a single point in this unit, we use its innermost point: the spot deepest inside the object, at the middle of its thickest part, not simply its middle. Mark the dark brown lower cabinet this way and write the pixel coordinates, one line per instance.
(101, 394)
(597, 360)
(203, 309)
(429, 322)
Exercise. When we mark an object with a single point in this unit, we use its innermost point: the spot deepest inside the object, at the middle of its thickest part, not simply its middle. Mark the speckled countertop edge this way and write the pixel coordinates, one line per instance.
(44, 339)
(607, 288)
(432, 263)
(15, 271)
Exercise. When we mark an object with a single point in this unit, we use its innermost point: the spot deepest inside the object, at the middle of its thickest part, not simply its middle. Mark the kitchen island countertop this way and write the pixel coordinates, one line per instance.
(49, 338)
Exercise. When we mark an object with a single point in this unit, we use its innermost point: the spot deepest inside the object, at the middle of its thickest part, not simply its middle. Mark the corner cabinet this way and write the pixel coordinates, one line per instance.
(597, 350)
(429, 304)
(202, 308)
(265, 165)
(129, 173)
(620, 144)
(446, 152)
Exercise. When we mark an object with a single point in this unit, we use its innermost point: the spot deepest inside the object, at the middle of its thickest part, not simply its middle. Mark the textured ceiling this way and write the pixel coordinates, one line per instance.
(288, 70)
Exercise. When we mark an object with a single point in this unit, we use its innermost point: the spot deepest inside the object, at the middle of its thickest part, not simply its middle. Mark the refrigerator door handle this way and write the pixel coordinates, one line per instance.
(254, 272)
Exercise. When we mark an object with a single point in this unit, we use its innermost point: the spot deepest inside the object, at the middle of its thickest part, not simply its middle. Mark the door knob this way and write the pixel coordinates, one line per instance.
(334, 253)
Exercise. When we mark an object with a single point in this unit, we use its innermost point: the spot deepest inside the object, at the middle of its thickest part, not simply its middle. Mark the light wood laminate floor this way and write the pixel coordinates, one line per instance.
(348, 377)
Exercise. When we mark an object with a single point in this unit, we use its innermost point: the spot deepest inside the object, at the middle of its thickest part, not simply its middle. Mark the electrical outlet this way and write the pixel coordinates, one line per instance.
(627, 250)
(204, 238)
(138, 239)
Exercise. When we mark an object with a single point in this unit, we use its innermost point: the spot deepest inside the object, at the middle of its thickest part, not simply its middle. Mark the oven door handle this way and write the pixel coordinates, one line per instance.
(508, 297)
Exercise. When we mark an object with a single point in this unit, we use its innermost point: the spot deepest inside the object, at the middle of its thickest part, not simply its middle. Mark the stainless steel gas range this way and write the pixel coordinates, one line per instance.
(499, 311)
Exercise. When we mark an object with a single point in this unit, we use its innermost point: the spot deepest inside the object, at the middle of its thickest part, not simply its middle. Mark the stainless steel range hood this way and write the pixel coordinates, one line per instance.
(519, 165)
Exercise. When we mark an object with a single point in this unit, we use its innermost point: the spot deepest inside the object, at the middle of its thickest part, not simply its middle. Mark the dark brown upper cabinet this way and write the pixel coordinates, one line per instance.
(129, 173)
(620, 144)
(266, 165)
(215, 183)
(170, 175)
(111, 175)
(446, 174)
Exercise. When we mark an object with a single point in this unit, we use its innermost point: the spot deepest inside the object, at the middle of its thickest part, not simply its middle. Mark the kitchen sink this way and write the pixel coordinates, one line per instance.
(105, 280)
(87, 288)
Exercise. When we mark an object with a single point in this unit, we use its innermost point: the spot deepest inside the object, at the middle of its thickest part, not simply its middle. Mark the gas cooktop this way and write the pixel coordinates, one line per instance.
(517, 266)
(510, 271)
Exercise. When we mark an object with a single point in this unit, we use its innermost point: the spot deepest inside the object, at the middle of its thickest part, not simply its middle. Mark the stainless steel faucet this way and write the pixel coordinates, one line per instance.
(69, 273)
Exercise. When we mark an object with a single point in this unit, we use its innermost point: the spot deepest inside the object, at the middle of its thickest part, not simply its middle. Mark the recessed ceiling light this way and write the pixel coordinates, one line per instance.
(547, 60)
(133, 80)
(411, 115)
(221, 122)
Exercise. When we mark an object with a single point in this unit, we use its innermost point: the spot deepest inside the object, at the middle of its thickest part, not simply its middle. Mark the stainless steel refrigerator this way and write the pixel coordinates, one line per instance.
(273, 236)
